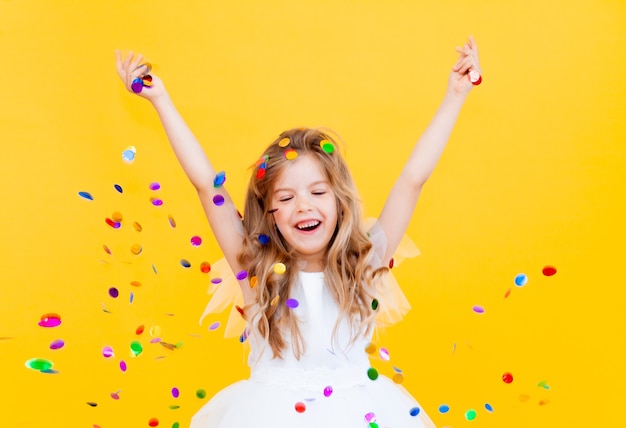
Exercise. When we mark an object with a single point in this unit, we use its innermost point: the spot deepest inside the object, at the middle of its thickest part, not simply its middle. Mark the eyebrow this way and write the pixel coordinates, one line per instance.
(315, 183)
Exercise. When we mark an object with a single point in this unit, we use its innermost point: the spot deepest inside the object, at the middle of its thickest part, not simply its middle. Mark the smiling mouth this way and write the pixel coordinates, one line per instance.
(308, 226)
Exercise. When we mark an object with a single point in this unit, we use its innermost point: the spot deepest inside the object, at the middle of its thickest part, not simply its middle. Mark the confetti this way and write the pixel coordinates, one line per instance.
(241, 275)
(85, 195)
(384, 354)
(327, 146)
(478, 309)
(374, 304)
(137, 227)
(414, 411)
(118, 188)
(218, 200)
(444, 408)
(372, 373)
(175, 392)
(57, 344)
(219, 179)
(107, 352)
(290, 154)
(50, 320)
(136, 348)
(507, 377)
(214, 326)
(156, 202)
(139, 330)
(136, 249)
(200, 393)
(195, 241)
(300, 407)
(112, 223)
(292, 303)
(185, 263)
(154, 186)
(123, 366)
(153, 422)
(264, 239)
(155, 331)
(171, 221)
(548, 270)
(39, 364)
(205, 267)
(280, 268)
(521, 279)
(328, 391)
(488, 407)
(470, 415)
(128, 155)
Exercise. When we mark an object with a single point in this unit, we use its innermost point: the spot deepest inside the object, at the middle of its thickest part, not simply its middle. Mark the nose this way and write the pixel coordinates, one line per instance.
(303, 204)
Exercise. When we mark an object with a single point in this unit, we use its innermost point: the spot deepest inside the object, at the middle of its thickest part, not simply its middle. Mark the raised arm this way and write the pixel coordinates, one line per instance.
(403, 197)
(221, 214)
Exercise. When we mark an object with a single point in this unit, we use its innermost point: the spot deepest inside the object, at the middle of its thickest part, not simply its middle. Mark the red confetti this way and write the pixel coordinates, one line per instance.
(549, 270)
(507, 377)
(300, 407)
(154, 422)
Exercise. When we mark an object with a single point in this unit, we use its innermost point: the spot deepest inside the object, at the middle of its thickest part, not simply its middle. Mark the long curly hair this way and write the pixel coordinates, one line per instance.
(347, 270)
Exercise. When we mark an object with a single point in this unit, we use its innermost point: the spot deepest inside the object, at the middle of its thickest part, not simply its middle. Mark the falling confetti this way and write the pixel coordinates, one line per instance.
(57, 344)
(478, 309)
(85, 195)
(50, 320)
(549, 270)
(39, 364)
(507, 377)
(128, 155)
(521, 279)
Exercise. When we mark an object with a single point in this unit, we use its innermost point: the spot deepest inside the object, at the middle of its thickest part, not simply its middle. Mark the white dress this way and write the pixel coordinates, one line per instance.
(327, 387)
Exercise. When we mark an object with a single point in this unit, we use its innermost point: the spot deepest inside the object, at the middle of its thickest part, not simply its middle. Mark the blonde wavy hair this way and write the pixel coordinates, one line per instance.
(347, 270)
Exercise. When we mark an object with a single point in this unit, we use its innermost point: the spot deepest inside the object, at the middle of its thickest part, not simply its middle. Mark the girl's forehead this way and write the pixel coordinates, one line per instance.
(301, 170)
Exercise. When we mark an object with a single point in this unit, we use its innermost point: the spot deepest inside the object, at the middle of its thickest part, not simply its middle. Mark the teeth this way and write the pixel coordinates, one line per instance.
(307, 225)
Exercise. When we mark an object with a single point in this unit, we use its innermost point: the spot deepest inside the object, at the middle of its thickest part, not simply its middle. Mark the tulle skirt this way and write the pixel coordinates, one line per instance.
(272, 400)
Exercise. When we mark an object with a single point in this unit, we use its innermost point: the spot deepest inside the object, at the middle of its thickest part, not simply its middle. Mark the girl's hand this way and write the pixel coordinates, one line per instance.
(131, 68)
(460, 81)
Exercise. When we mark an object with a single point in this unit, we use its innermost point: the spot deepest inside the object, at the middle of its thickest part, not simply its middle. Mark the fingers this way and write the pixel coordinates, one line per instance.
(468, 57)
(130, 67)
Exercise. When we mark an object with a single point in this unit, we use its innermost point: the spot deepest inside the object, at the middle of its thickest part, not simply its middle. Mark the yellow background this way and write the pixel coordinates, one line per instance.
(533, 176)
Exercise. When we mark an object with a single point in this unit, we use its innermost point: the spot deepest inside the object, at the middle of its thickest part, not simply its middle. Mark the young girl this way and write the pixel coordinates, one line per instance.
(311, 274)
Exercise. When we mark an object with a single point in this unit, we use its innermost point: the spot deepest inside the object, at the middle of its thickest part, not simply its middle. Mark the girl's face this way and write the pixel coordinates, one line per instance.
(306, 210)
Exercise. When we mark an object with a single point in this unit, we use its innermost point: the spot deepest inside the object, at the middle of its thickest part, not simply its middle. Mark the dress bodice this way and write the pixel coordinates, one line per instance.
(317, 313)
